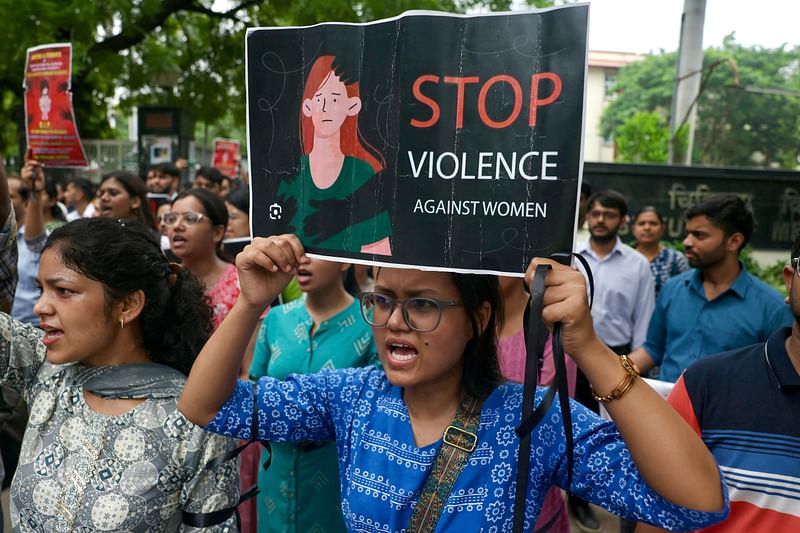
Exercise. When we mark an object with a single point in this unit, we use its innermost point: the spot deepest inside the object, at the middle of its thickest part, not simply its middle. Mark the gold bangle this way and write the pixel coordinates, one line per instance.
(631, 373)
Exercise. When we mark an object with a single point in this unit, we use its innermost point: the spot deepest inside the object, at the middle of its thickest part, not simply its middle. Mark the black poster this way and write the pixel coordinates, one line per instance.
(429, 140)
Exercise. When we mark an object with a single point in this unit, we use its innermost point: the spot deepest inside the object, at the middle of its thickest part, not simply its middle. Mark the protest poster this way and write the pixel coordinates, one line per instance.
(226, 156)
(429, 140)
(50, 128)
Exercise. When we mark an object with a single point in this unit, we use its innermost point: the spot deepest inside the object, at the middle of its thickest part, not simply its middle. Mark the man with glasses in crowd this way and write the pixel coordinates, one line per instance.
(623, 301)
(745, 404)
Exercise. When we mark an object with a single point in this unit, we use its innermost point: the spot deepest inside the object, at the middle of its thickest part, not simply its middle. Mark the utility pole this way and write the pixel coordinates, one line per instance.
(689, 73)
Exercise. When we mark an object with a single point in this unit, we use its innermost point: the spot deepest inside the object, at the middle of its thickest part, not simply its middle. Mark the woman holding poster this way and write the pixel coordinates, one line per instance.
(336, 163)
(440, 393)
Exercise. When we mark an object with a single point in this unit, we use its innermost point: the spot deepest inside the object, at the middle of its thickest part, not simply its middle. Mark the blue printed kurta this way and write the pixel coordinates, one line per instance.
(383, 472)
(300, 490)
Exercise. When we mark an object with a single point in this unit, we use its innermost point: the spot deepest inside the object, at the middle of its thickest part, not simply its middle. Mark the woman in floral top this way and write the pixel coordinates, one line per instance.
(436, 339)
(106, 448)
(648, 229)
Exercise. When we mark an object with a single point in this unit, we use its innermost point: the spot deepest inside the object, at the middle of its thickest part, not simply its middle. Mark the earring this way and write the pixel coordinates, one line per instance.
(122, 323)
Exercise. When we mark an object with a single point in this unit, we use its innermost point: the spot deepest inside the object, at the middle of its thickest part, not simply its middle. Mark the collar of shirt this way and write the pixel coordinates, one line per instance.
(739, 287)
(617, 249)
(778, 359)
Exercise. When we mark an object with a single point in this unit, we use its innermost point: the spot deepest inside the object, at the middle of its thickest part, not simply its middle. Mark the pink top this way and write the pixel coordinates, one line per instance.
(511, 353)
(223, 295)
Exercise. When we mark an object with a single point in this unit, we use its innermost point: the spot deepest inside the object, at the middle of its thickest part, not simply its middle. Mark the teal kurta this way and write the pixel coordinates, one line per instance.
(300, 490)
(354, 173)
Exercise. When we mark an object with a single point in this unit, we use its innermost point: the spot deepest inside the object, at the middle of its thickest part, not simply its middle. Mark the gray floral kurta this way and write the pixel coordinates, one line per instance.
(83, 471)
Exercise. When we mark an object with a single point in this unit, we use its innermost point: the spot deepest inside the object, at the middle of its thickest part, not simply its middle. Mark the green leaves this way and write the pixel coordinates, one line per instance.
(739, 123)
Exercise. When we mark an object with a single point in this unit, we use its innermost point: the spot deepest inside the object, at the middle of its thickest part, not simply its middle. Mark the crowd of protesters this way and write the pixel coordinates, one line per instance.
(116, 347)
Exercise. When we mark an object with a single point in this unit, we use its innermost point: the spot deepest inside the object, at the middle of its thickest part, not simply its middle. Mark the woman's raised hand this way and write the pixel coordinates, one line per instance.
(266, 266)
(565, 301)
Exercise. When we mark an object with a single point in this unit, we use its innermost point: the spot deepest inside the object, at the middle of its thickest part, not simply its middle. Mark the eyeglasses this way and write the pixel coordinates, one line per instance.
(796, 265)
(608, 214)
(190, 218)
(421, 314)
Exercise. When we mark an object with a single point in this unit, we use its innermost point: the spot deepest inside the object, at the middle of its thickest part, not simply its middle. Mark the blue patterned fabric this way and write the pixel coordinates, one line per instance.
(382, 471)
(667, 263)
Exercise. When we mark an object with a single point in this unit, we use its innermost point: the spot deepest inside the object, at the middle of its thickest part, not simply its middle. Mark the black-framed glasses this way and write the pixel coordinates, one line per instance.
(421, 314)
(796, 266)
(190, 218)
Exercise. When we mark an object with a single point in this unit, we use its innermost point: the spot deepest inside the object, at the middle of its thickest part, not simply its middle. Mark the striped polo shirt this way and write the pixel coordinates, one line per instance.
(745, 404)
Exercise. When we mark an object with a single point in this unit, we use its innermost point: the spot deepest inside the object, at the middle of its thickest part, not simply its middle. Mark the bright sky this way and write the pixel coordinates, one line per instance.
(649, 25)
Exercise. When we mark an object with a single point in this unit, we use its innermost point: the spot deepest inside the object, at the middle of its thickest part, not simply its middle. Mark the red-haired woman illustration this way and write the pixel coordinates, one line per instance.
(335, 194)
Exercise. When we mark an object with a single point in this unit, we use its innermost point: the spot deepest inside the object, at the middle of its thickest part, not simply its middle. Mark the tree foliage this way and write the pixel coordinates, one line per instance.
(176, 52)
(643, 138)
(739, 123)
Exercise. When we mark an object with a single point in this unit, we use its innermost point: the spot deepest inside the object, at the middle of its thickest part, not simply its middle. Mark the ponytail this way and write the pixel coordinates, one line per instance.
(179, 333)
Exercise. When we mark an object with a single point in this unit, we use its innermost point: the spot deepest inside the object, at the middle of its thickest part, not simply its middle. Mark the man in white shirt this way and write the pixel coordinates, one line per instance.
(624, 289)
(624, 299)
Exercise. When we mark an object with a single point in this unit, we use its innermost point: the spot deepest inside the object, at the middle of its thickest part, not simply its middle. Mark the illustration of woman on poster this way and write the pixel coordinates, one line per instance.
(332, 201)
(45, 103)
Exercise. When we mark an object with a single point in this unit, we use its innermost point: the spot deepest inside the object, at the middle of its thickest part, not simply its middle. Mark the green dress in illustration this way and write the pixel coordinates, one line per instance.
(302, 190)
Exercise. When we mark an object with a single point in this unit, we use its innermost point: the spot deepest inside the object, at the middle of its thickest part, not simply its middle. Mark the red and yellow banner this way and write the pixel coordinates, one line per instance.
(226, 156)
(49, 116)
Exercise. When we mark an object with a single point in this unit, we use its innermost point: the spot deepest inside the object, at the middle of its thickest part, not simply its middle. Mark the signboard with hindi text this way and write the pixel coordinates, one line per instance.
(428, 140)
(50, 127)
(772, 194)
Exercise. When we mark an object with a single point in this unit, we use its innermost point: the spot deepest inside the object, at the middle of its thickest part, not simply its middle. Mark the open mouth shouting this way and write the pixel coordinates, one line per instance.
(400, 353)
(303, 276)
(177, 240)
(51, 334)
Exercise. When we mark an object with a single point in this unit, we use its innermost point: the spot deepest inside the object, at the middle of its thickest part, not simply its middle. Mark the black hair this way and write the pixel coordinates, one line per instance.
(84, 185)
(44, 84)
(649, 209)
(213, 205)
(23, 191)
(796, 246)
(610, 199)
(215, 210)
(125, 257)
(169, 169)
(210, 173)
(350, 282)
(728, 212)
(240, 199)
(586, 189)
(51, 190)
(135, 187)
(481, 365)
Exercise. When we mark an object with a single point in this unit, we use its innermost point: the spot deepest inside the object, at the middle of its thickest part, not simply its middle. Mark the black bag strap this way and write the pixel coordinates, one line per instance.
(217, 517)
(530, 417)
